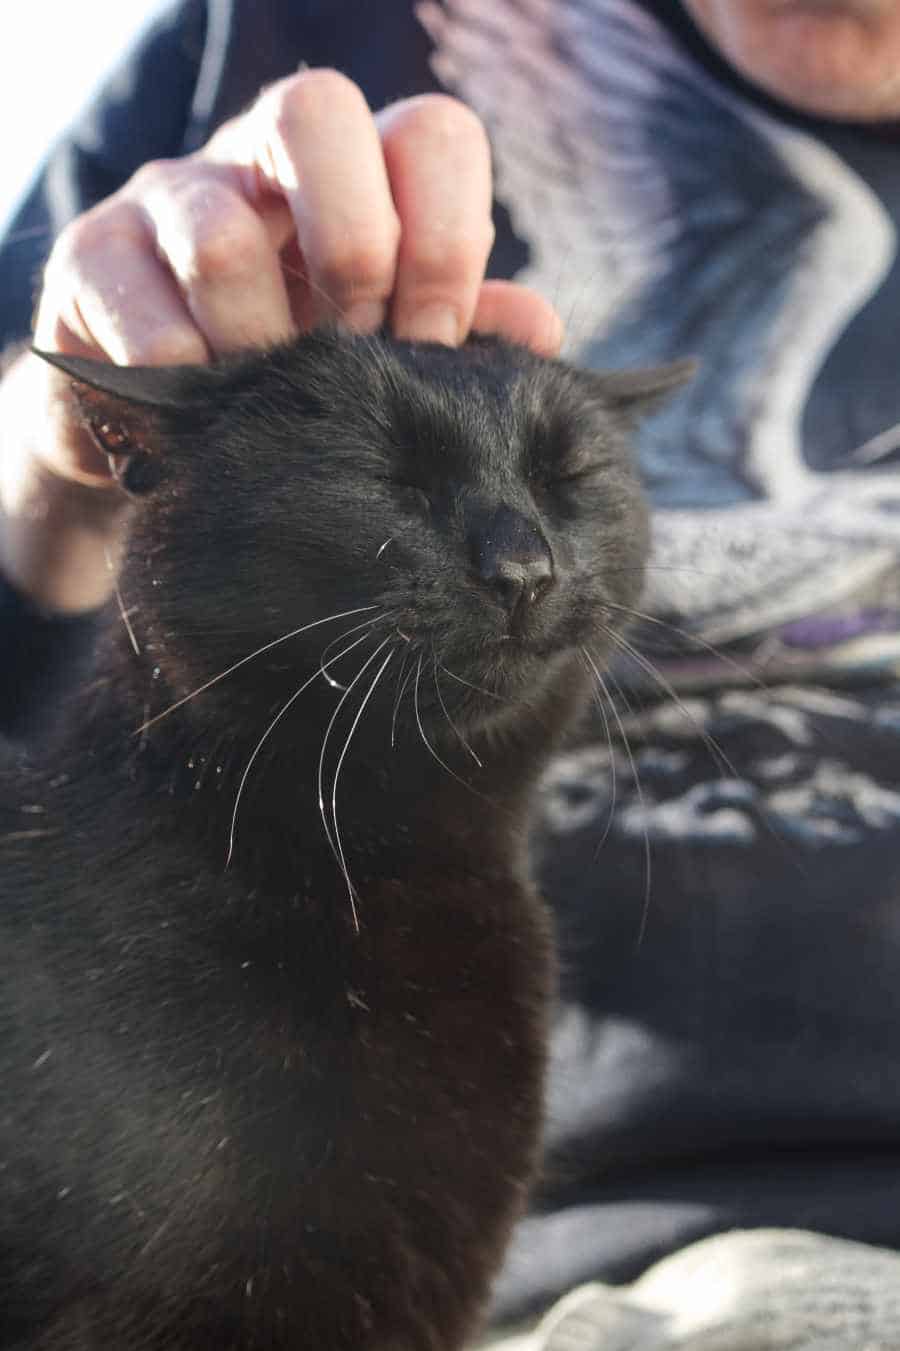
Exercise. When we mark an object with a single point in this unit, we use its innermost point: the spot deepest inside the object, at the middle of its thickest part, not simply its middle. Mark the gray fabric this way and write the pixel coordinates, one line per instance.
(760, 1290)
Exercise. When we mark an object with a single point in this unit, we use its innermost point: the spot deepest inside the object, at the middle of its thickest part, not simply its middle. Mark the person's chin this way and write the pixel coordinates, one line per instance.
(838, 59)
(847, 75)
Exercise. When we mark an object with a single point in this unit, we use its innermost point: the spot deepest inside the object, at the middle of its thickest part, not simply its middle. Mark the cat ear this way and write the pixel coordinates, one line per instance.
(176, 389)
(128, 409)
(642, 392)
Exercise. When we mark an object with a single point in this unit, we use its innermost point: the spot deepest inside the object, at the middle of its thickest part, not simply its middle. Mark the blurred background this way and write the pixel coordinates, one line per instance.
(52, 56)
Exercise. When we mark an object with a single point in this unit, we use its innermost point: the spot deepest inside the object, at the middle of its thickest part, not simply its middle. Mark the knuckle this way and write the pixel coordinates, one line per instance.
(360, 266)
(455, 257)
(112, 222)
(226, 241)
(229, 251)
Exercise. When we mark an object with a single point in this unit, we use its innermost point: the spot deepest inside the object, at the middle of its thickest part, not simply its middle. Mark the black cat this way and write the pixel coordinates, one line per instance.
(272, 1021)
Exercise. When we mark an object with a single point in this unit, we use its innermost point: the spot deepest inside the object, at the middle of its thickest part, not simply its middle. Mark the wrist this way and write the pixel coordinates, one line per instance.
(61, 538)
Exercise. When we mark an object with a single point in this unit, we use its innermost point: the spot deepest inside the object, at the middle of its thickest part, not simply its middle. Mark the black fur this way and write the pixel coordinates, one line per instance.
(262, 1105)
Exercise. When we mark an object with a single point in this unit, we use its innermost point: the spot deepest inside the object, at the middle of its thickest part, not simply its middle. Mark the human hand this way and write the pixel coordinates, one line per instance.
(305, 209)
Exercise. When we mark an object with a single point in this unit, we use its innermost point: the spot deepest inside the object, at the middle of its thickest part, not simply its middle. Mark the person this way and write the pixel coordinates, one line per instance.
(717, 178)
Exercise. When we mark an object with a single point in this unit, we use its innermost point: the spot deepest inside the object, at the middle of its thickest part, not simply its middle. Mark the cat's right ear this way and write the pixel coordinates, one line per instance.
(639, 393)
(129, 411)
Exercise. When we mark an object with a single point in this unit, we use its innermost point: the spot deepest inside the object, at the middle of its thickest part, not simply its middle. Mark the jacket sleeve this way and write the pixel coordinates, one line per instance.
(43, 658)
(143, 112)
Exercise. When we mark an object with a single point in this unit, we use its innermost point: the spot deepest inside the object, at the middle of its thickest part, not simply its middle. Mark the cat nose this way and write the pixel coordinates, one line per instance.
(512, 556)
(521, 584)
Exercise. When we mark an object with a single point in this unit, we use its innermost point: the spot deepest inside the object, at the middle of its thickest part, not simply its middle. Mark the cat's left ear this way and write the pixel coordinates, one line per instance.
(129, 411)
(641, 392)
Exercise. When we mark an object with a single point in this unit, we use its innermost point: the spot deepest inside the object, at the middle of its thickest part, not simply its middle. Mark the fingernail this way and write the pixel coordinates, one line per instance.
(433, 323)
(366, 316)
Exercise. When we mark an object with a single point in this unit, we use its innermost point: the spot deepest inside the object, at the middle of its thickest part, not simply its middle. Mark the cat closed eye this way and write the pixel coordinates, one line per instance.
(578, 475)
(577, 470)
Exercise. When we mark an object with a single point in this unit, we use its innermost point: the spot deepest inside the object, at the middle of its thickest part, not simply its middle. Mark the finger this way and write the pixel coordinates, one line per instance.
(319, 146)
(519, 315)
(439, 166)
(58, 437)
(220, 253)
(106, 291)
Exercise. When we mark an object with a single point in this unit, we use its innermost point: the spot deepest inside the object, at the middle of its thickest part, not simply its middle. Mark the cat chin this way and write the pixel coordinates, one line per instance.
(486, 692)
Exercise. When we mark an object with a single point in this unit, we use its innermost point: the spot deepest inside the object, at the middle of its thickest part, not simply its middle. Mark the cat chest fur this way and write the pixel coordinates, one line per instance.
(252, 1090)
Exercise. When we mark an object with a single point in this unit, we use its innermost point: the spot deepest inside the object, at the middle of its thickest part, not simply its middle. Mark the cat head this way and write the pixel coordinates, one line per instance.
(479, 506)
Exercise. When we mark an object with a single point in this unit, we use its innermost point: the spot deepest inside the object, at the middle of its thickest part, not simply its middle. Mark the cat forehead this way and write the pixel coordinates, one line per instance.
(483, 409)
(404, 388)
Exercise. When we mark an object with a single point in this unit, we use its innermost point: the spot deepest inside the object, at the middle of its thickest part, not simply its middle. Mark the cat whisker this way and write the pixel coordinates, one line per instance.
(724, 764)
(344, 614)
(669, 568)
(717, 652)
(267, 733)
(719, 757)
(320, 774)
(645, 909)
(453, 725)
(323, 663)
(337, 773)
(123, 613)
(384, 546)
(607, 732)
(452, 772)
(489, 694)
(604, 688)
(401, 689)
(428, 744)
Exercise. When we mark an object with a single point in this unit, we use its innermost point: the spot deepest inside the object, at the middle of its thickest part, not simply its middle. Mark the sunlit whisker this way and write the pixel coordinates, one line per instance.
(666, 686)
(401, 690)
(453, 725)
(612, 778)
(344, 614)
(641, 799)
(714, 747)
(337, 833)
(320, 776)
(452, 772)
(477, 688)
(124, 614)
(415, 704)
(717, 652)
(323, 656)
(637, 783)
(266, 734)
(434, 753)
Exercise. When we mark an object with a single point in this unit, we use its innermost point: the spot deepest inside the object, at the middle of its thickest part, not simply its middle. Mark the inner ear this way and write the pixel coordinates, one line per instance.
(128, 410)
(642, 392)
